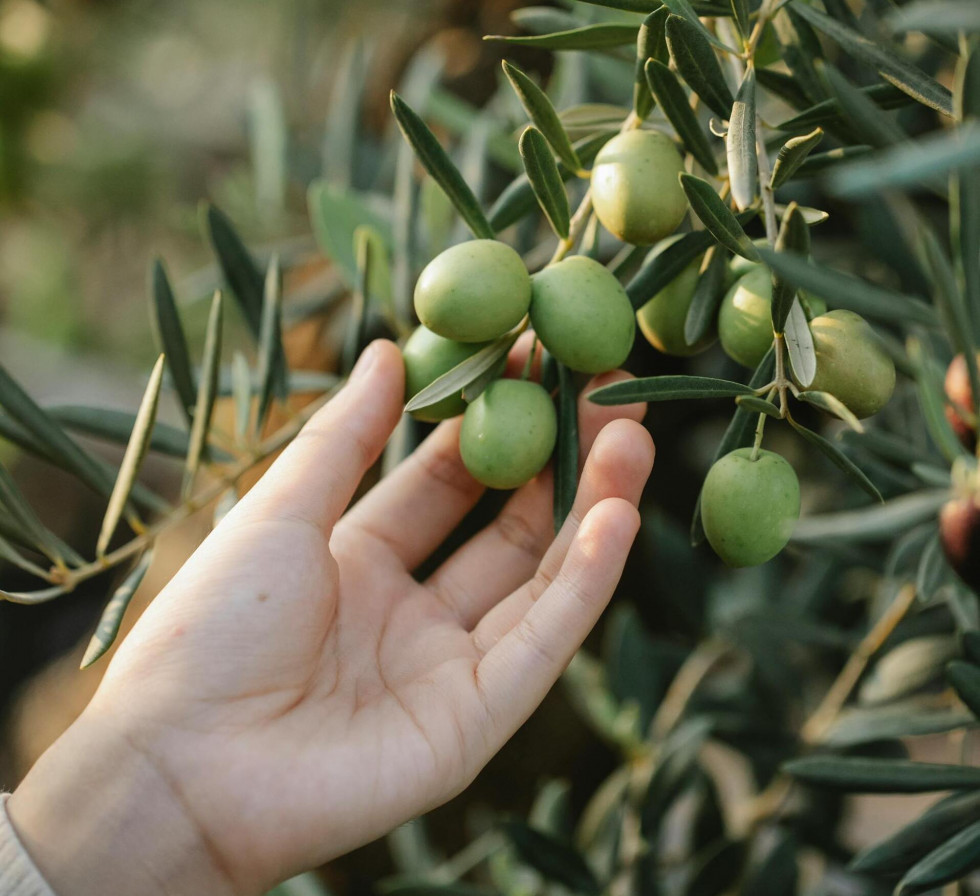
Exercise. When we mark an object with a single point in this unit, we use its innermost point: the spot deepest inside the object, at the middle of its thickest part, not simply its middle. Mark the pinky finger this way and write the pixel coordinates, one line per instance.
(518, 671)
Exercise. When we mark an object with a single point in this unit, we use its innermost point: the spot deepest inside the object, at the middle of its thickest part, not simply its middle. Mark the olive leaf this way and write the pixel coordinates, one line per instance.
(666, 89)
(794, 236)
(847, 291)
(828, 113)
(111, 619)
(545, 180)
(956, 858)
(905, 76)
(684, 10)
(859, 112)
(965, 679)
(542, 114)
(820, 162)
(695, 60)
(708, 295)
(554, 859)
(841, 460)
(171, 338)
(664, 263)
(435, 160)
(758, 405)
(270, 337)
(857, 774)
(206, 392)
(643, 6)
(965, 186)
(464, 373)
(651, 44)
(667, 388)
(792, 154)
(932, 401)
(832, 405)
(717, 217)
(938, 17)
(24, 527)
(567, 447)
(603, 36)
(743, 164)
(139, 442)
(877, 522)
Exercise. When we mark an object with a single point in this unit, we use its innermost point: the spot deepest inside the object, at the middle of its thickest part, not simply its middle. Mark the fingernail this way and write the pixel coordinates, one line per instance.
(365, 362)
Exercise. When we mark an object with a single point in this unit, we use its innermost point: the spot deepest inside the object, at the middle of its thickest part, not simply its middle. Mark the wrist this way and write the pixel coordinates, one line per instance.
(97, 815)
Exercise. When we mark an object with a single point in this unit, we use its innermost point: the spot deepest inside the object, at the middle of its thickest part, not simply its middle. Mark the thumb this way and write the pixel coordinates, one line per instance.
(315, 478)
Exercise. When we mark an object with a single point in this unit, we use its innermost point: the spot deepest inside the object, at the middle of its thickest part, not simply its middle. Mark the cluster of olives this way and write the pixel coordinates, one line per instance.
(478, 291)
(751, 499)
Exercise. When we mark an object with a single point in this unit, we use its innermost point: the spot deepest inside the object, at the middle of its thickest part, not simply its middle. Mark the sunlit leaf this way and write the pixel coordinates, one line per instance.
(717, 217)
(545, 179)
(435, 160)
(588, 37)
(697, 64)
(667, 388)
(792, 154)
(542, 114)
(673, 102)
(743, 167)
(111, 619)
(132, 460)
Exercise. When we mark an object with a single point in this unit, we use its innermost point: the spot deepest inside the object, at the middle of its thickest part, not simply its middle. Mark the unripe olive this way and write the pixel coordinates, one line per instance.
(662, 318)
(636, 193)
(959, 531)
(749, 507)
(428, 356)
(582, 315)
(508, 433)
(745, 317)
(473, 292)
(739, 266)
(960, 394)
(851, 364)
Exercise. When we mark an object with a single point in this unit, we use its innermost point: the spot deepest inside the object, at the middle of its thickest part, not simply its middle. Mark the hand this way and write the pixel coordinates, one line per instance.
(294, 692)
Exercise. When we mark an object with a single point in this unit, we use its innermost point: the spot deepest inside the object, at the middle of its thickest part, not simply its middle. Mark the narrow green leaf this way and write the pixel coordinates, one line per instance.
(206, 393)
(31, 598)
(738, 434)
(664, 263)
(740, 12)
(799, 46)
(792, 154)
(667, 388)
(846, 291)
(241, 391)
(932, 401)
(697, 64)
(673, 101)
(651, 43)
(743, 165)
(111, 619)
(566, 451)
(463, 373)
(956, 858)
(684, 10)
(939, 17)
(10, 554)
(912, 164)
(588, 37)
(820, 162)
(270, 337)
(905, 76)
(878, 522)
(832, 405)
(171, 338)
(51, 437)
(708, 294)
(965, 678)
(896, 719)
(717, 217)
(865, 118)
(553, 858)
(435, 160)
(965, 187)
(841, 460)
(240, 271)
(518, 200)
(643, 6)
(545, 19)
(857, 774)
(542, 114)
(758, 405)
(132, 460)
(794, 236)
(26, 528)
(828, 113)
(545, 179)
(799, 345)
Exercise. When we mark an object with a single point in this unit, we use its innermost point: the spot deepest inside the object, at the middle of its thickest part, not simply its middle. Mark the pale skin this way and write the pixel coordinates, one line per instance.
(294, 693)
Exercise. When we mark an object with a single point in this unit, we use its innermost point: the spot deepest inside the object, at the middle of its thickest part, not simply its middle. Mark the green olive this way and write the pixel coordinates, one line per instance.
(508, 433)
(749, 507)
(427, 357)
(635, 191)
(739, 266)
(851, 363)
(582, 315)
(473, 292)
(662, 318)
(745, 318)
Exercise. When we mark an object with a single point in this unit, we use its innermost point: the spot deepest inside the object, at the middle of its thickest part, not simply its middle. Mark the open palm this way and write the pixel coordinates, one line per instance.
(302, 693)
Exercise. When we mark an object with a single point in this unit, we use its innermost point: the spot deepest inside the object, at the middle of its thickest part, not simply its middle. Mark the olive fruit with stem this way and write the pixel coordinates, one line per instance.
(750, 503)
(745, 317)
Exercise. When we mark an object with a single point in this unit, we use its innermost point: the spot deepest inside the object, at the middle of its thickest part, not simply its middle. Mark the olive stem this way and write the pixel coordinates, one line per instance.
(529, 363)
(760, 429)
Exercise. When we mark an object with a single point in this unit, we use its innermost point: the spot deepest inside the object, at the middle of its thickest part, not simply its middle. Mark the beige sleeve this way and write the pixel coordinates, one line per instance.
(18, 876)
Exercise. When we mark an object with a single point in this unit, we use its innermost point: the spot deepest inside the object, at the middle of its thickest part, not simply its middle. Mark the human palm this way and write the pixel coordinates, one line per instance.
(301, 693)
